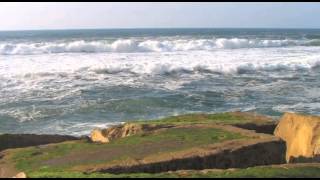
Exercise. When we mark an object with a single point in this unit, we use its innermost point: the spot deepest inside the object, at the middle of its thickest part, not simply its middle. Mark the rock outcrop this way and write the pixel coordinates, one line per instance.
(302, 136)
(20, 175)
(98, 135)
(195, 142)
(115, 132)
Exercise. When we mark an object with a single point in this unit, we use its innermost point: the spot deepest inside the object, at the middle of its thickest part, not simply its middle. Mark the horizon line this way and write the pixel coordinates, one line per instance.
(133, 28)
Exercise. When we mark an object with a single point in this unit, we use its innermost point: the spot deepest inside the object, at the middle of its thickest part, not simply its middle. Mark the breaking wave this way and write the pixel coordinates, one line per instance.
(174, 68)
(142, 45)
(71, 87)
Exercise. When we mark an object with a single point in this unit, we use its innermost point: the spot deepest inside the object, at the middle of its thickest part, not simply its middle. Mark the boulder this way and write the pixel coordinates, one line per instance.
(98, 136)
(302, 136)
(20, 175)
(115, 132)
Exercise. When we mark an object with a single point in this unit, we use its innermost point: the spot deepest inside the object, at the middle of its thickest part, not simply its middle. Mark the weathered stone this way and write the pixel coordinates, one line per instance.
(115, 132)
(20, 175)
(98, 136)
(302, 136)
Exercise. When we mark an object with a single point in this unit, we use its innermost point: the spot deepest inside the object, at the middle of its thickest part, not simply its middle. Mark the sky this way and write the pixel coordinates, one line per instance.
(86, 15)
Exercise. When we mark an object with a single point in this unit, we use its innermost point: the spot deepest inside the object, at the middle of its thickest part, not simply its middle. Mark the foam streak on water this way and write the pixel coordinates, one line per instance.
(70, 84)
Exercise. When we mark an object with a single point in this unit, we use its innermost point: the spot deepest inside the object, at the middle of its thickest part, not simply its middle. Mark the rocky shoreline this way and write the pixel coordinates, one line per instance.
(195, 145)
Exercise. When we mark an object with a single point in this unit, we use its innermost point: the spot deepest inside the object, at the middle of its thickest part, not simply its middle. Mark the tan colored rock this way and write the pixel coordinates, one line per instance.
(98, 136)
(302, 136)
(20, 175)
(115, 132)
(131, 129)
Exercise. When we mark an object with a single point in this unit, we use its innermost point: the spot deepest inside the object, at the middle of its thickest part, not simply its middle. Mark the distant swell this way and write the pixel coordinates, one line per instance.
(142, 45)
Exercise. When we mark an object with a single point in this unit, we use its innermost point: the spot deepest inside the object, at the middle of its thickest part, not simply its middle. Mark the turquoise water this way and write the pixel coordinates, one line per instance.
(71, 81)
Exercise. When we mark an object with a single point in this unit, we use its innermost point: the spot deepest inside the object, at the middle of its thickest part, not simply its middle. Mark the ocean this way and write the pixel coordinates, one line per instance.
(71, 81)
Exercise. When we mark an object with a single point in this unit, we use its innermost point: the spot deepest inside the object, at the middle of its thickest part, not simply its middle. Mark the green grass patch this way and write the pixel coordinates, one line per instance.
(75, 153)
(64, 174)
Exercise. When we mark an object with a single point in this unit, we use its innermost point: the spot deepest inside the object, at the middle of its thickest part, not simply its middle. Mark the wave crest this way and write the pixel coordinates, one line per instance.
(149, 45)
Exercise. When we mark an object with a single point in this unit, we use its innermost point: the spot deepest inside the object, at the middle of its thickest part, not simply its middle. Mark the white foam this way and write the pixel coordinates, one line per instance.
(73, 128)
(51, 76)
(299, 107)
(160, 63)
(142, 45)
(79, 129)
(55, 76)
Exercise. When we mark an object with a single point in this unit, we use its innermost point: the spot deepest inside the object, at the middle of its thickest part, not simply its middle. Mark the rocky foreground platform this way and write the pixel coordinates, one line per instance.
(231, 144)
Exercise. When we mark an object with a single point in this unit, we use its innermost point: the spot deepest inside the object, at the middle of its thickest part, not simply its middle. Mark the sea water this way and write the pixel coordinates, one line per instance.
(71, 81)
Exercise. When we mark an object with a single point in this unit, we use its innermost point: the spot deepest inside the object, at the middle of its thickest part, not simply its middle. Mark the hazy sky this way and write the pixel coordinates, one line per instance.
(17, 16)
